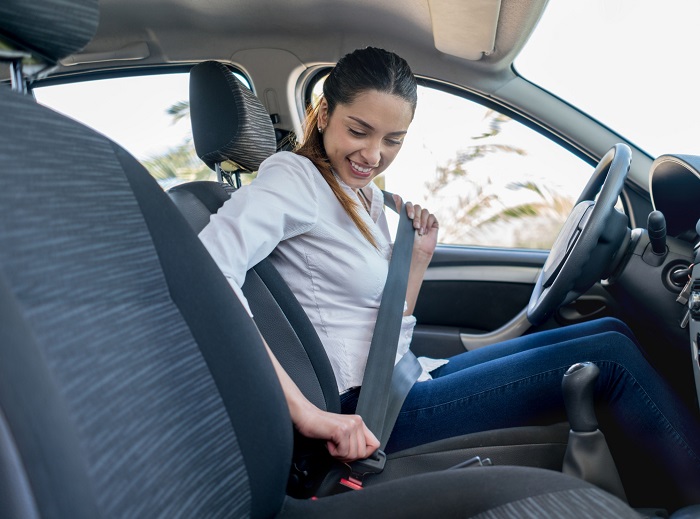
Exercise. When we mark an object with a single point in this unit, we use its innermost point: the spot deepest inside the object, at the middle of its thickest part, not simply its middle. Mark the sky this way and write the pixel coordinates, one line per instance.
(131, 111)
(631, 63)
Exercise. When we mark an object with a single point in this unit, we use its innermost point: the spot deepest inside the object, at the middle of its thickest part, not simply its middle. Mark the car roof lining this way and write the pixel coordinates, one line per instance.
(483, 33)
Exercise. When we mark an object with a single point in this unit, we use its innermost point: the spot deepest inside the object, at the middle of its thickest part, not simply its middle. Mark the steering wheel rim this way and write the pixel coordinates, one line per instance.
(579, 236)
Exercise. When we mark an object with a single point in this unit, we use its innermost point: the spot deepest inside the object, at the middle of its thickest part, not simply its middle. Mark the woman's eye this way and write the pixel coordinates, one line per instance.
(355, 133)
(394, 142)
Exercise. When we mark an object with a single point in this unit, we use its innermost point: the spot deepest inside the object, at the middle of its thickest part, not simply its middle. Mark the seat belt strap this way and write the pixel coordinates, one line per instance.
(407, 370)
(384, 387)
(405, 374)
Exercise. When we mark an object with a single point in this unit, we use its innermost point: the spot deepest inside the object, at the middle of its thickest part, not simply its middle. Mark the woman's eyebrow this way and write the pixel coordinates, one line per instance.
(368, 126)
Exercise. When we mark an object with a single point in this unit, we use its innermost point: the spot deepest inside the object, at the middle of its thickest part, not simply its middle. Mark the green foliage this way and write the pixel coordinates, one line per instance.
(181, 163)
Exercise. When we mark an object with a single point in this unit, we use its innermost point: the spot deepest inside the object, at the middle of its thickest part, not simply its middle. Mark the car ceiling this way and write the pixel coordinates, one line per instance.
(138, 32)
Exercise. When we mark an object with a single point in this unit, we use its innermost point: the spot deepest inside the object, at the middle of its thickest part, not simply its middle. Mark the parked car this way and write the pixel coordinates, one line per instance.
(500, 159)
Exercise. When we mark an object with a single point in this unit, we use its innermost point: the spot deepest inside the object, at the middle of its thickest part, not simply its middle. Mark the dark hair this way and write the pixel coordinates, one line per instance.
(362, 70)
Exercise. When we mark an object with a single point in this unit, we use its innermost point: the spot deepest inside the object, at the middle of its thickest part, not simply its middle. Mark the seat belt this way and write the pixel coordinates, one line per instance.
(385, 386)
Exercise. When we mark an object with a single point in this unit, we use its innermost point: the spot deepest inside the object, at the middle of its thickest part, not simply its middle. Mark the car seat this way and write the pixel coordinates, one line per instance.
(132, 381)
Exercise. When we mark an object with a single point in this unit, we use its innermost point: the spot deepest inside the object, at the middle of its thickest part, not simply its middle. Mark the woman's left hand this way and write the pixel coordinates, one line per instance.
(426, 225)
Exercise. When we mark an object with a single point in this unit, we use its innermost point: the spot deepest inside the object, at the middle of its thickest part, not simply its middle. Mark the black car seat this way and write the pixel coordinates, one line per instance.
(230, 125)
(132, 382)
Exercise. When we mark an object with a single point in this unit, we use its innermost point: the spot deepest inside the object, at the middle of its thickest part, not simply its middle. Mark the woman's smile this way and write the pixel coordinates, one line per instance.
(359, 170)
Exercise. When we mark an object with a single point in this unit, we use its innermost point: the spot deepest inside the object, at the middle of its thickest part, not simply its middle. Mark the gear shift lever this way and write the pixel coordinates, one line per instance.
(587, 455)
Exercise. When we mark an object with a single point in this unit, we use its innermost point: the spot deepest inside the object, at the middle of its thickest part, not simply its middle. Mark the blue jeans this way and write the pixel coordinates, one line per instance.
(654, 439)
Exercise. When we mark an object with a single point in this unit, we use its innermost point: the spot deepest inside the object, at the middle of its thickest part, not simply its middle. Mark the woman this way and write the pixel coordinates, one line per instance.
(319, 216)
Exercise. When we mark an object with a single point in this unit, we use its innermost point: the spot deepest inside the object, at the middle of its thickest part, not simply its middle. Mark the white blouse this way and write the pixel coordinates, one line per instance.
(290, 213)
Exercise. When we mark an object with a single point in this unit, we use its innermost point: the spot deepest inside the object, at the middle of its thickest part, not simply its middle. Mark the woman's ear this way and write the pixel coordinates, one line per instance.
(322, 114)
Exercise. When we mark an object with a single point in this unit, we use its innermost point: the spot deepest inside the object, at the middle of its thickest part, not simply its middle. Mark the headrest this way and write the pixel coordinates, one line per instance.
(48, 29)
(228, 122)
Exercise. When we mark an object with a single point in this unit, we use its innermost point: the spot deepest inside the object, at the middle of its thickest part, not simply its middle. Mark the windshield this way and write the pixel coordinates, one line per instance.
(631, 64)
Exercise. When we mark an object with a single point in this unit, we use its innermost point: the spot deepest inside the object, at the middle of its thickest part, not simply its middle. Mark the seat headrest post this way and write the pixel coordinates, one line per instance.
(16, 78)
(222, 174)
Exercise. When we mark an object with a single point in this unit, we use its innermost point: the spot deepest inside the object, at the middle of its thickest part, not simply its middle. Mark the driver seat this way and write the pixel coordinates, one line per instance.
(230, 124)
(132, 381)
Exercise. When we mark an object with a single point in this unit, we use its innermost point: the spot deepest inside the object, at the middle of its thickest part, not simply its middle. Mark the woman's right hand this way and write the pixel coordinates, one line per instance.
(347, 437)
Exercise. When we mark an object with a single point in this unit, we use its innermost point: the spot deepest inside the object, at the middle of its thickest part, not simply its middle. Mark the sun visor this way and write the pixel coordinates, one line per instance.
(465, 28)
(674, 184)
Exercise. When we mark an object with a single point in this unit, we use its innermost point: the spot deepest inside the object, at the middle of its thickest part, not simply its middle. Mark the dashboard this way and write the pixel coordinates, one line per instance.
(674, 183)
(675, 191)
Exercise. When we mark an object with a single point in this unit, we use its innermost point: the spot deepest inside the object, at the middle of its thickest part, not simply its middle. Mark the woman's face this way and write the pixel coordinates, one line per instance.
(362, 138)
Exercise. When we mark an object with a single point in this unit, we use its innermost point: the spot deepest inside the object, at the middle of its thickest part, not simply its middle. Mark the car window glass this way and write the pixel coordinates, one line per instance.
(147, 115)
(490, 180)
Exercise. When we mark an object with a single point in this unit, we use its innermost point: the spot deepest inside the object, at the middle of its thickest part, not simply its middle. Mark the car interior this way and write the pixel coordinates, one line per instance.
(132, 381)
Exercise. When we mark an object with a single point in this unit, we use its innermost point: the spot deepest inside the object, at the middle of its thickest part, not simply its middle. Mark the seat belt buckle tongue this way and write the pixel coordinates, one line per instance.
(374, 464)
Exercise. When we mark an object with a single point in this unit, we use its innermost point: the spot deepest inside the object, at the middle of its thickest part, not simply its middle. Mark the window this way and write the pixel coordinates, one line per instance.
(490, 180)
(147, 115)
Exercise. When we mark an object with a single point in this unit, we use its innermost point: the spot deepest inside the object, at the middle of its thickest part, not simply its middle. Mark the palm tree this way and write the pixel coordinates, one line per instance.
(179, 163)
(477, 211)
(179, 110)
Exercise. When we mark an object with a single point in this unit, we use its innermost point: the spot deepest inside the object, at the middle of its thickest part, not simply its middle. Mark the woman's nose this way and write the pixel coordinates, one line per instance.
(372, 153)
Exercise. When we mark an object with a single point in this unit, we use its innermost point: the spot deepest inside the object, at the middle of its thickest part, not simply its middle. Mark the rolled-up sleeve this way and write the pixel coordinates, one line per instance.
(279, 204)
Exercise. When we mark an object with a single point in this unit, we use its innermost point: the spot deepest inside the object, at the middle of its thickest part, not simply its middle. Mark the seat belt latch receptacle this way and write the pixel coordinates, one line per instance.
(374, 464)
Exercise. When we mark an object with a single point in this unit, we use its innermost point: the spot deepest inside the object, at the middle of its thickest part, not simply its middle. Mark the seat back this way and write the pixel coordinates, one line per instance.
(246, 139)
(132, 382)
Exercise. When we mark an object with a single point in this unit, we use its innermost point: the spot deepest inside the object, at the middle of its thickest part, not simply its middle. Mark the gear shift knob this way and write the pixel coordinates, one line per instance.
(577, 385)
(587, 455)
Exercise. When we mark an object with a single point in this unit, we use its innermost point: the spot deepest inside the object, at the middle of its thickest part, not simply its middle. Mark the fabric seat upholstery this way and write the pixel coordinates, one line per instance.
(132, 382)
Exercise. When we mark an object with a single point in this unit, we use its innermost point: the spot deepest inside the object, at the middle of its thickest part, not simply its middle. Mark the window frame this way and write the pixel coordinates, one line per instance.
(119, 73)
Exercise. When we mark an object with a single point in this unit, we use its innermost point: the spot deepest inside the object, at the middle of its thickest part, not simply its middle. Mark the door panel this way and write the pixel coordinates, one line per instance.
(474, 290)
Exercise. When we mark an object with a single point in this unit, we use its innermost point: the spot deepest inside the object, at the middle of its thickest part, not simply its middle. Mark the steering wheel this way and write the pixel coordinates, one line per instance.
(588, 241)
